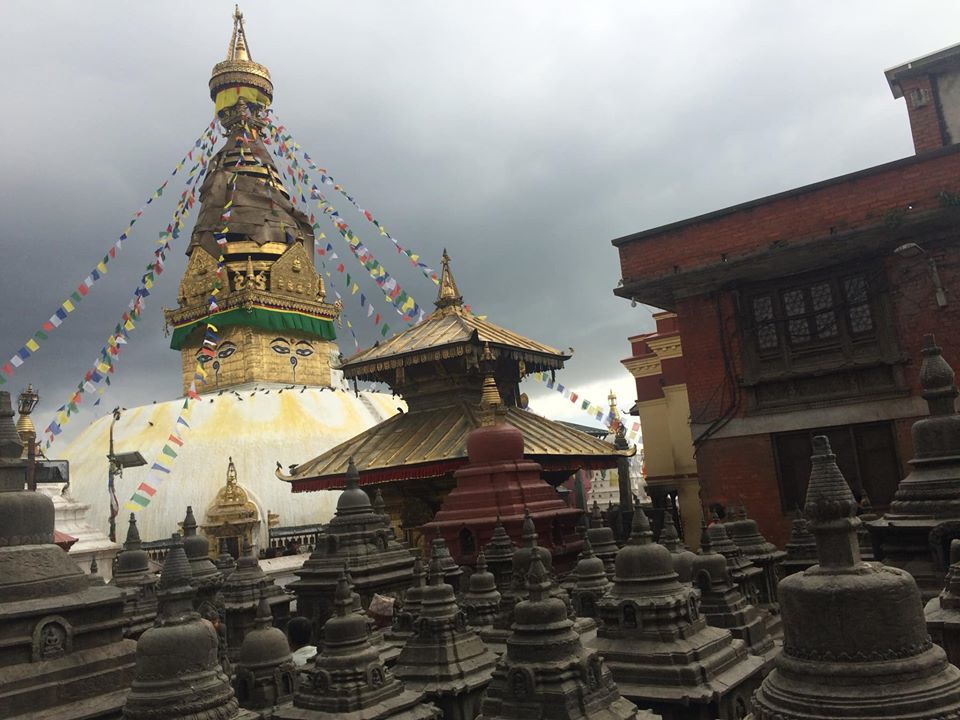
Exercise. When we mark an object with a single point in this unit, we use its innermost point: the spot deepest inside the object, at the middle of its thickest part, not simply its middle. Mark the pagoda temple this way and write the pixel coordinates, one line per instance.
(438, 367)
(272, 382)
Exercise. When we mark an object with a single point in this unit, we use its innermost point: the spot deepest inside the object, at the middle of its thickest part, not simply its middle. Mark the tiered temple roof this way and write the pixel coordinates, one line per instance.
(429, 440)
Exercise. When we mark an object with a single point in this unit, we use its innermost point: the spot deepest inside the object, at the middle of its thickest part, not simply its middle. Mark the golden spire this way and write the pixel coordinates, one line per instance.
(490, 401)
(238, 78)
(238, 41)
(612, 399)
(448, 295)
(231, 473)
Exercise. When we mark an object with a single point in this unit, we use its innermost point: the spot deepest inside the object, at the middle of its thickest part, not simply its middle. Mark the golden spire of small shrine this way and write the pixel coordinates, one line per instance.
(447, 295)
(490, 401)
(238, 78)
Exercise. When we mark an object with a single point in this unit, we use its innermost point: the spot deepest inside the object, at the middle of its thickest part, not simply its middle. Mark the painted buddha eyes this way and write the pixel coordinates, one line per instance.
(226, 350)
(302, 348)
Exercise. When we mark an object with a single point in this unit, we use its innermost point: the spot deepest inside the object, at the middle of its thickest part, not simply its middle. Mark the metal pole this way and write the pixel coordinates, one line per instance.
(112, 465)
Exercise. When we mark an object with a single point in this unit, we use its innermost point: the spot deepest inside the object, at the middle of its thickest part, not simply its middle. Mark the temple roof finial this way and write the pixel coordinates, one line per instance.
(448, 295)
(238, 78)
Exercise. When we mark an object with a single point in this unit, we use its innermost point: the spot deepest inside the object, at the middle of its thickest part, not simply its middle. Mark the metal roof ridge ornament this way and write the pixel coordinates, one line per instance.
(448, 295)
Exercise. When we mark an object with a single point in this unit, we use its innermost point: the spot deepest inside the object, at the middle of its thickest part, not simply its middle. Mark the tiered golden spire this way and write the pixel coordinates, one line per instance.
(238, 77)
(448, 295)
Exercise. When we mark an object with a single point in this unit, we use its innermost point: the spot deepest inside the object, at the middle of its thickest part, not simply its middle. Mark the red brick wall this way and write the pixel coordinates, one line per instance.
(924, 120)
(836, 207)
(736, 470)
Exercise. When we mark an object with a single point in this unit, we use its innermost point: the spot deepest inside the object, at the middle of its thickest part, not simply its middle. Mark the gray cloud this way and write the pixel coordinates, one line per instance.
(521, 136)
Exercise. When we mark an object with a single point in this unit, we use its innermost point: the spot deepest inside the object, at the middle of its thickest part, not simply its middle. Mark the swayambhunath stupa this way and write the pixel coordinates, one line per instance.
(345, 504)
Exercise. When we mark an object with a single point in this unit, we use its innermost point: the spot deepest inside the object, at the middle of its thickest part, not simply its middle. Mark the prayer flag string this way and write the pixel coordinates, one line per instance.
(597, 412)
(104, 365)
(100, 269)
(286, 140)
(352, 288)
(404, 303)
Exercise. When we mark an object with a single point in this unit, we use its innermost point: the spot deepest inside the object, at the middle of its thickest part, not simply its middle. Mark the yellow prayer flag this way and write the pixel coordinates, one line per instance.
(102, 267)
(68, 306)
(32, 345)
(128, 325)
(353, 290)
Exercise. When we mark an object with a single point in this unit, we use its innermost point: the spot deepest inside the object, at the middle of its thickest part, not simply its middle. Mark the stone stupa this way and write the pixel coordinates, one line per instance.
(801, 548)
(724, 606)
(855, 642)
(683, 559)
(346, 680)
(915, 533)
(357, 538)
(401, 626)
(590, 582)
(243, 591)
(657, 643)
(602, 539)
(943, 612)
(444, 658)
(178, 675)
(481, 601)
(499, 554)
(62, 650)
(746, 535)
(132, 573)
(265, 673)
(546, 672)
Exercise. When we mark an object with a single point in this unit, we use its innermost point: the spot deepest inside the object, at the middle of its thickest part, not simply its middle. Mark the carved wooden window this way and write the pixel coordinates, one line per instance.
(823, 312)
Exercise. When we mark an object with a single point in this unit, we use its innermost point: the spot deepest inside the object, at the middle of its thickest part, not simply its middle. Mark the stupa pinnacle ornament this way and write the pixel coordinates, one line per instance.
(926, 507)
(546, 672)
(855, 643)
(255, 249)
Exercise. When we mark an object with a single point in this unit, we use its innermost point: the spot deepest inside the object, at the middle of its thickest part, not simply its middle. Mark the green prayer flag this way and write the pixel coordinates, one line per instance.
(140, 500)
(169, 451)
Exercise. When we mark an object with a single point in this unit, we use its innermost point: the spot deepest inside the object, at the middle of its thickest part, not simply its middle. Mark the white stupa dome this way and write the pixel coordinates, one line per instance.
(256, 427)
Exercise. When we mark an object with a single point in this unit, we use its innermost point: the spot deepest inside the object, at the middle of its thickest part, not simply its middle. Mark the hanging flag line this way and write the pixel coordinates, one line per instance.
(104, 365)
(405, 305)
(372, 313)
(161, 466)
(76, 297)
(595, 411)
(286, 141)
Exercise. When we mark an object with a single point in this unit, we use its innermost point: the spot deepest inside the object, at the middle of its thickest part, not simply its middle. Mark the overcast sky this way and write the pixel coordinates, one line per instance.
(521, 136)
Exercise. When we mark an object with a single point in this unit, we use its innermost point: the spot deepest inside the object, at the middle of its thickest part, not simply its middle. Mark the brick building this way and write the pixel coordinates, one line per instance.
(802, 313)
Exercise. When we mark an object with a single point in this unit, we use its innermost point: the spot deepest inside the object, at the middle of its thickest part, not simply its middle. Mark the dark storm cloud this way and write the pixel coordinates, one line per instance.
(521, 136)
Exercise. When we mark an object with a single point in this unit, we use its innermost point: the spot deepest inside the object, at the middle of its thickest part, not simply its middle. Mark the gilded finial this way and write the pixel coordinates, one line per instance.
(447, 295)
(238, 80)
(231, 472)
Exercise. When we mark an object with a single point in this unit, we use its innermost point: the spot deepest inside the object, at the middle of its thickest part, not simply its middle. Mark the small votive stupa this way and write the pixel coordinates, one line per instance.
(747, 576)
(855, 642)
(346, 680)
(499, 554)
(724, 606)
(746, 535)
(62, 650)
(602, 539)
(658, 646)
(915, 532)
(206, 580)
(546, 672)
(444, 658)
(132, 573)
(590, 582)
(801, 548)
(401, 626)
(481, 601)
(178, 675)
(265, 673)
(244, 589)
(683, 559)
(943, 612)
(357, 538)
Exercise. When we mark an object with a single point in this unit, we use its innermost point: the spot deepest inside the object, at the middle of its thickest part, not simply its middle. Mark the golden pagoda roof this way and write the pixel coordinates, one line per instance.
(432, 442)
(437, 336)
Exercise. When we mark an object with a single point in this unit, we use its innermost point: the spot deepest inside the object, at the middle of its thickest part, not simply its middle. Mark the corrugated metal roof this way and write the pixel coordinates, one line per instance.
(431, 442)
